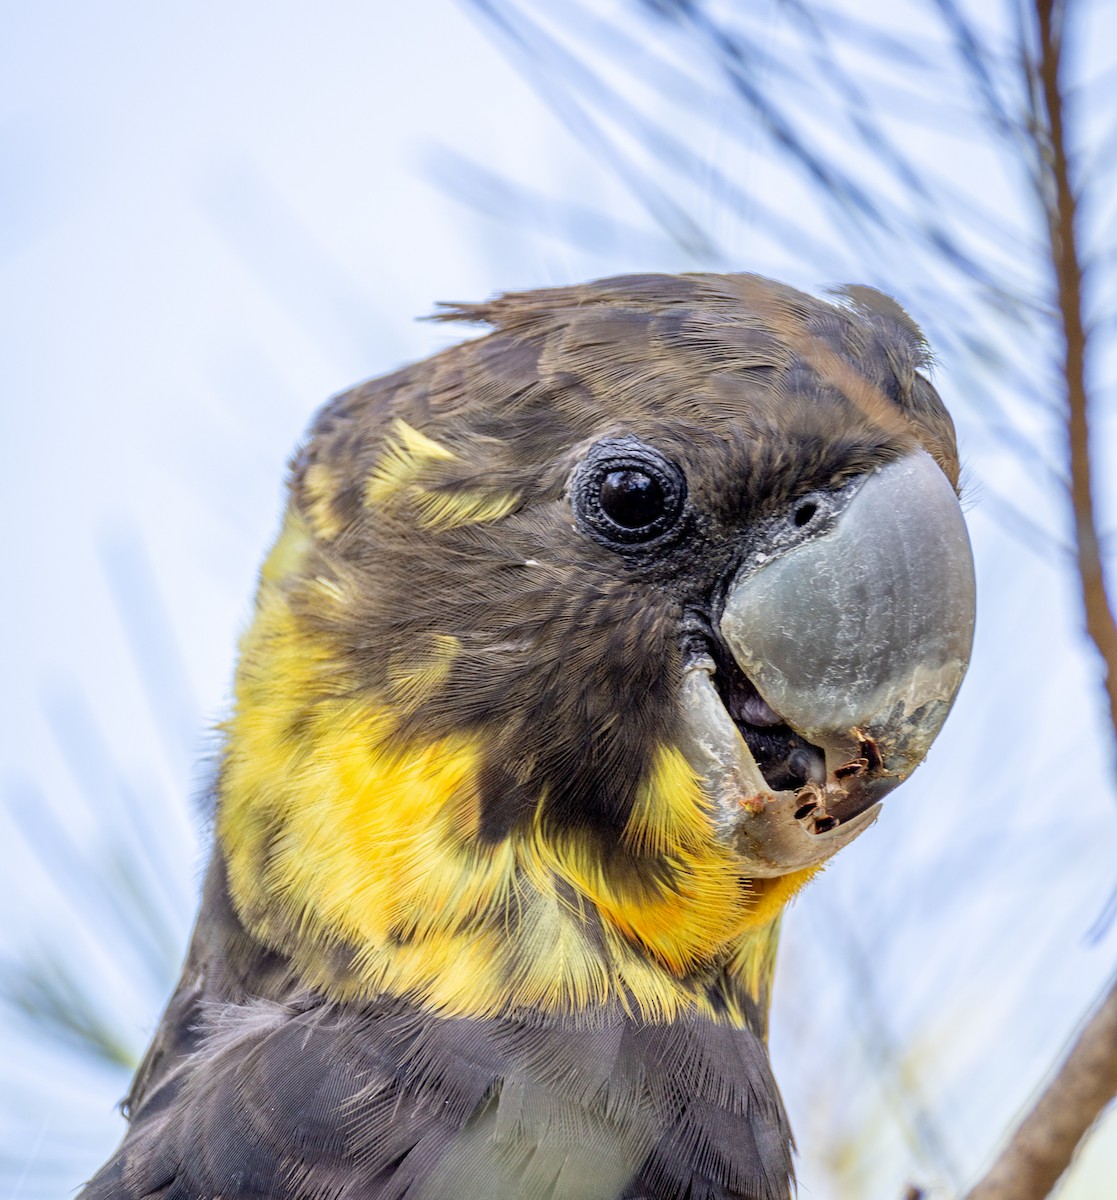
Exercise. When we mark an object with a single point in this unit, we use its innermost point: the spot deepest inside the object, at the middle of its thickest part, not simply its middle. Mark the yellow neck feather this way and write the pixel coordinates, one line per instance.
(344, 841)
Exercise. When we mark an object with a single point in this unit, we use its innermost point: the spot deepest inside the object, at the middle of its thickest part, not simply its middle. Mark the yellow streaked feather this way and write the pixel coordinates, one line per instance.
(290, 549)
(339, 833)
(769, 897)
(416, 674)
(448, 510)
(670, 808)
(754, 959)
(320, 485)
(404, 474)
(406, 453)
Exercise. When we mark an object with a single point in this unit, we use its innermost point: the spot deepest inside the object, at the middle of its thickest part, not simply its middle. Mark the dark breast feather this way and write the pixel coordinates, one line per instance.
(312, 1099)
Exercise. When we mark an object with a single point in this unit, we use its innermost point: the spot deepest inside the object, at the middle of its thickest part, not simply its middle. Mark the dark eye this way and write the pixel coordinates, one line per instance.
(631, 498)
(626, 493)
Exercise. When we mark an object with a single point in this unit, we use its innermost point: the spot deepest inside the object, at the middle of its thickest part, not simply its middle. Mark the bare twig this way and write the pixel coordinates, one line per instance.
(1061, 205)
(1045, 1140)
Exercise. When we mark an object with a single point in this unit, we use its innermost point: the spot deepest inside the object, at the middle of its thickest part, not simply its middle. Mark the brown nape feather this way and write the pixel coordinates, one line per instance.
(433, 593)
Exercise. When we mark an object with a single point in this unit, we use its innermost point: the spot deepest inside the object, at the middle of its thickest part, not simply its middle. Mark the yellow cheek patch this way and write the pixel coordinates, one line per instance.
(404, 474)
(334, 830)
(340, 835)
(689, 900)
(686, 910)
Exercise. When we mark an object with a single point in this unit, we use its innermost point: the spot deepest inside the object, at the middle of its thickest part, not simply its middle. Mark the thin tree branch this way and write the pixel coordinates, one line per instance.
(1061, 204)
(1045, 1140)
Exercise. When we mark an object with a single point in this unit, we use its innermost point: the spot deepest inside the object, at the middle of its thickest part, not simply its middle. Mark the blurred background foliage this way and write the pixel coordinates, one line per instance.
(213, 216)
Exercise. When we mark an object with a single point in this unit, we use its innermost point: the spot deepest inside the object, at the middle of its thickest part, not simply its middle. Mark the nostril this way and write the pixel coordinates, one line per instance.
(804, 514)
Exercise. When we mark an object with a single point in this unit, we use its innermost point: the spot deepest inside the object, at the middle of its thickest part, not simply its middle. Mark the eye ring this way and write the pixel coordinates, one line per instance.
(626, 493)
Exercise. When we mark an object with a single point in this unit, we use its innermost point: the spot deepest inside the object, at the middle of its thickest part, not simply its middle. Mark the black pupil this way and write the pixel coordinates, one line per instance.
(631, 498)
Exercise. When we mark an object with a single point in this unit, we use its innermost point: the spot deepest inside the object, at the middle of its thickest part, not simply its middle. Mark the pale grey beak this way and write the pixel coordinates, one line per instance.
(858, 638)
